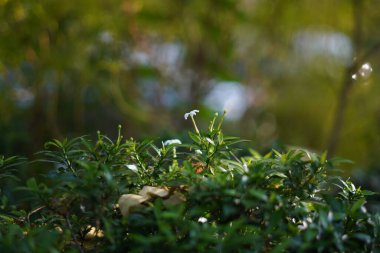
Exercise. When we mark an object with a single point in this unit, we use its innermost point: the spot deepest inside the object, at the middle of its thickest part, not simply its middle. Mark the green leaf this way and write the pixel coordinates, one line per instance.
(357, 205)
(369, 193)
(32, 184)
(220, 138)
(195, 138)
(323, 157)
(323, 219)
(6, 218)
(256, 155)
(364, 237)
(259, 194)
(339, 160)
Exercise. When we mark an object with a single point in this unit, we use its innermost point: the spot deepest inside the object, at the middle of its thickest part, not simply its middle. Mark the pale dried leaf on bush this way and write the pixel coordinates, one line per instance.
(150, 191)
(128, 201)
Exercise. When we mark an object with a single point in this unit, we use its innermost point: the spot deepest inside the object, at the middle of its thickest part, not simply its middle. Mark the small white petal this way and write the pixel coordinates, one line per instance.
(245, 167)
(191, 114)
(222, 169)
(171, 142)
(202, 220)
(198, 152)
(132, 167)
(303, 226)
(366, 66)
(210, 141)
(330, 216)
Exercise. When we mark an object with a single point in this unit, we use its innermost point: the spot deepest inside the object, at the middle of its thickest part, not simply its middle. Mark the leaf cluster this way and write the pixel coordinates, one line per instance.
(216, 199)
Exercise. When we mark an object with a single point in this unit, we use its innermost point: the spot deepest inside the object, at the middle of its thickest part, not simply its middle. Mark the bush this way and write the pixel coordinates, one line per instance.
(207, 196)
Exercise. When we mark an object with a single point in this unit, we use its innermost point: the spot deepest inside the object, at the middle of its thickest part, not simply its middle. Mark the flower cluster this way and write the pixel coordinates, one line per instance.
(171, 142)
(191, 114)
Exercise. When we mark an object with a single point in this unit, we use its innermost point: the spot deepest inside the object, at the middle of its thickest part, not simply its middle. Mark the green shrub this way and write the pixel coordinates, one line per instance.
(207, 196)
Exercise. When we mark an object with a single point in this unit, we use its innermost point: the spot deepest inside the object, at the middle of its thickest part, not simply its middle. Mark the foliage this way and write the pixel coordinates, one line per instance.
(206, 196)
(66, 69)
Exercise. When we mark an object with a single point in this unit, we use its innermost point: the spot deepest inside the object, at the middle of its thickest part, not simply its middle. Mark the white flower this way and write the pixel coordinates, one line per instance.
(330, 216)
(198, 152)
(171, 142)
(191, 114)
(202, 220)
(132, 167)
(245, 167)
(106, 37)
(303, 226)
(244, 179)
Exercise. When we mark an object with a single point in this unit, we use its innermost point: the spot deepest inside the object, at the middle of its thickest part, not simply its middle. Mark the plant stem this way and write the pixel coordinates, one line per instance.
(221, 120)
(195, 125)
(73, 234)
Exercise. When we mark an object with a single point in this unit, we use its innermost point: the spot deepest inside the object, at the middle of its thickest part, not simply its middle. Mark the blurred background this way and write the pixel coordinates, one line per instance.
(295, 72)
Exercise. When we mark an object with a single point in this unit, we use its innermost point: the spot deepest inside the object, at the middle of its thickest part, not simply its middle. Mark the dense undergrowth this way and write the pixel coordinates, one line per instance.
(205, 196)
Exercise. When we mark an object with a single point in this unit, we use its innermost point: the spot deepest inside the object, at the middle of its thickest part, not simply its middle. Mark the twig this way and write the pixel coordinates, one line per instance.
(348, 81)
(33, 212)
(73, 234)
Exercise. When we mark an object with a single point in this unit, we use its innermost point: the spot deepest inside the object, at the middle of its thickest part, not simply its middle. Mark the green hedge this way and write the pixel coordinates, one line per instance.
(206, 196)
